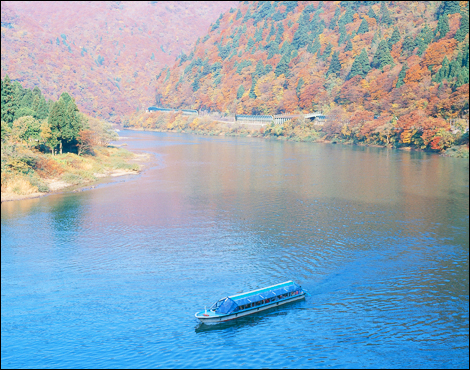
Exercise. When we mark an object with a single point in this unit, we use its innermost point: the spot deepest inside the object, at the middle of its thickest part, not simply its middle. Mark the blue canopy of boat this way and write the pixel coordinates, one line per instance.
(230, 304)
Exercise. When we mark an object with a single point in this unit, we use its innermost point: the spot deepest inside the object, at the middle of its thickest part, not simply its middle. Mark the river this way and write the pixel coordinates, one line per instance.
(112, 277)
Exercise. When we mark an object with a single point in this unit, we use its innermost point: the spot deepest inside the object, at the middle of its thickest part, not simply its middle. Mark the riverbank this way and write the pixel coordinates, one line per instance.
(49, 174)
(456, 151)
(444, 142)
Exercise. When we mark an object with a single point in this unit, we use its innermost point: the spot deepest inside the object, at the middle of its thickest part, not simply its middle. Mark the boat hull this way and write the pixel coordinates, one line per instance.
(233, 316)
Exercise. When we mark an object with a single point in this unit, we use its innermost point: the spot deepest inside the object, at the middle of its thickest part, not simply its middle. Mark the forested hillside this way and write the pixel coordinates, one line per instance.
(104, 53)
(50, 145)
(404, 62)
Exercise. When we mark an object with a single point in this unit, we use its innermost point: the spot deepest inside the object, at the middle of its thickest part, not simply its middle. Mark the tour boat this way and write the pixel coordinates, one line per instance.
(244, 304)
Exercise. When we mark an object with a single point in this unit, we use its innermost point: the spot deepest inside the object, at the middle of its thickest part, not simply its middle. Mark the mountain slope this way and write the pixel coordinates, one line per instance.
(105, 54)
(383, 58)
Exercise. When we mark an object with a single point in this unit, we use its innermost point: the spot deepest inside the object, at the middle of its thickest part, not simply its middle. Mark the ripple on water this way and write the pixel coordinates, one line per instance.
(112, 277)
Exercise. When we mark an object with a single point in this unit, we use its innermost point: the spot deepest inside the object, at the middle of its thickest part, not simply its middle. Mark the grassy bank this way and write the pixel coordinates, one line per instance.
(29, 173)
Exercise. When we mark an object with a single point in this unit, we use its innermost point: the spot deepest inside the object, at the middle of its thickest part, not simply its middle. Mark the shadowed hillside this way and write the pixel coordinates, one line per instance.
(104, 53)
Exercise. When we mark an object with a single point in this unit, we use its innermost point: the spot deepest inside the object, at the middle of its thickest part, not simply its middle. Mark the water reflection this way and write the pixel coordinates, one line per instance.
(378, 237)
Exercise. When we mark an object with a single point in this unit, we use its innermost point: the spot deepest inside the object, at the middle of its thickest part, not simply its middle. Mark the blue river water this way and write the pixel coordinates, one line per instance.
(111, 277)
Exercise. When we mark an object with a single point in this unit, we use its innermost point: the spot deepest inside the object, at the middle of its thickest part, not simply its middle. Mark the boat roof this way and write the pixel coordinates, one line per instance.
(258, 291)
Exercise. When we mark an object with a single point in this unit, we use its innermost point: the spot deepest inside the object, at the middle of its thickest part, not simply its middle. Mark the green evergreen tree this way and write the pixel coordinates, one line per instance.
(57, 120)
(360, 66)
(342, 34)
(279, 34)
(463, 29)
(402, 75)
(335, 65)
(371, 14)
(348, 17)
(300, 84)
(240, 92)
(386, 19)
(66, 97)
(465, 56)
(259, 70)
(363, 28)
(265, 25)
(348, 46)
(334, 20)
(301, 36)
(309, 49)
(286, 48)
(443, 72)
(316, 46)
(215, 25)
(449, 7)
(283, 66)
(423, 39)
(247, 16)
(454, 68)
(19, 92)
(382, 56)
(9, 103)
(394, 38)
(442, 27)
(408, 43)
(314, 24)
(73, 124)
(239, 15)
(27, 101)
(309, 9)
(50, 104)
(272, 31)
(252, 93)
(272, 50)
(327, 51)
(37, 91)
(35, 104)
(258, 35)
(42, 110)
(24, 112)
(460, 80)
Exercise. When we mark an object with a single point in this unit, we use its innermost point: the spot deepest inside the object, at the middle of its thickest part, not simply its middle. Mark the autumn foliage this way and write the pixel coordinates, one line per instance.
(106, 54)
(272, 58)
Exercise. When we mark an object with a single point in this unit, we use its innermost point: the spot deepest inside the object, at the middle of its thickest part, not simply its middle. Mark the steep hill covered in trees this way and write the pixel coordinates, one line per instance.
(352, 60)
(104, 53)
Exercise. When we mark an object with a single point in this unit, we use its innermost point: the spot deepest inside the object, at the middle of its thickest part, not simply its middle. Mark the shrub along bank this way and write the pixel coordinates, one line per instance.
(48, 146)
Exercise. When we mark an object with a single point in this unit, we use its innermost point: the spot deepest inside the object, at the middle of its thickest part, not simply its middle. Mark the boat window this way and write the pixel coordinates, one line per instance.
(217, 304)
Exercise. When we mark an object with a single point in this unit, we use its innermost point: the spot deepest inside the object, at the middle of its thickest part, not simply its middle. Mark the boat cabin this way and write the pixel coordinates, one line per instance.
(256, 298)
